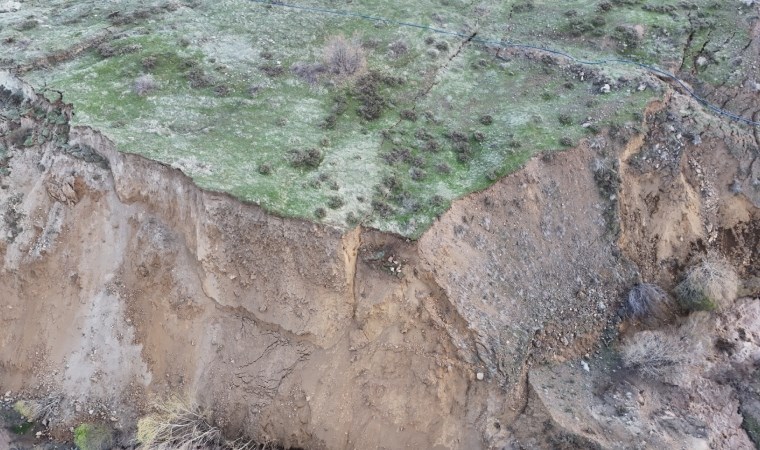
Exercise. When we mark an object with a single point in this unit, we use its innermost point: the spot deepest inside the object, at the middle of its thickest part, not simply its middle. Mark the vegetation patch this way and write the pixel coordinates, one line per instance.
(650, 304)
(710, 285)
(179, 424)
(89, 436)
(236, 96)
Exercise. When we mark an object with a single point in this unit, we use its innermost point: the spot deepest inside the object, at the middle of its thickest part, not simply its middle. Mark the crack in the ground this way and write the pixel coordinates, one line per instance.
(435, 80)
(686, 47)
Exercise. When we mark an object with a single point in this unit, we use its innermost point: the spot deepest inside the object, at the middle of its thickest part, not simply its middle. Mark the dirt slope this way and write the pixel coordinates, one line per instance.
(122, 282)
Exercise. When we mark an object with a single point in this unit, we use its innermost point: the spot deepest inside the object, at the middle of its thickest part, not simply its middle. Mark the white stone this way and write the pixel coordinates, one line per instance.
(605, 89)
(480, 376)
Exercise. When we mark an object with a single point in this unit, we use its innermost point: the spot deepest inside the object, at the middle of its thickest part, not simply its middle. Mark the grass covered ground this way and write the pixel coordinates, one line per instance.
(249, 99)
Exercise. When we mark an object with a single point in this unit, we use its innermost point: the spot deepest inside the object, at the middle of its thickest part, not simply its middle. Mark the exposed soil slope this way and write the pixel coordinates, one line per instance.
(122, 282)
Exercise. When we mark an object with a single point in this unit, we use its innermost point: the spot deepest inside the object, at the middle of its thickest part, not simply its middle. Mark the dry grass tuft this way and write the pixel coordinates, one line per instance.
(656, 354)
(144, 85)
(650, 304)
(176, 424)
(708, 286)
(34, 410)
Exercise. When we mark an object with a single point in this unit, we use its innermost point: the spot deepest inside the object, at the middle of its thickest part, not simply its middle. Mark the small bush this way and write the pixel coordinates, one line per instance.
(89, 436)
(417, 174)
(176, 424)
(367, 89)
(222, 90)
(272, 70)
(335, 202)
(565, 119)
(514, 144)
(28, 24)
(409, 115)
(265, 169)
(650, 304)
(144, 85)
(524, 6)
(442, 46)
(34, 410)
(655, 354)
(254, 89)
(443, 168)
(149, 62)
(432, 146)
(397, 49)
(418, 161)
(310, 73)
(382, 208)
(106, 50)
(320, 213)
(708, 286)
(198, 78)
(344, 58)
(486, 119)
(627, 38)
(397, 155)
(309, 158)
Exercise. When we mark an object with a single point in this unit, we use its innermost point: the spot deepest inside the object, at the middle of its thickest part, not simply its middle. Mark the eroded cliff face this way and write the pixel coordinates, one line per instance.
(122, 282)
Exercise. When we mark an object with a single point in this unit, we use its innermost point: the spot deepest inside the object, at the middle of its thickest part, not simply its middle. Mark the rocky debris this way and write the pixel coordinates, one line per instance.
(612, 408)
(62, 190)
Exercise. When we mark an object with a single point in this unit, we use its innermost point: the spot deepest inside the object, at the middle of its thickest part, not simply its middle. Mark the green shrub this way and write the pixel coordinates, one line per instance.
(265, 169)
(565, 119)
(335, 202)
(309, 158)
(88, 436)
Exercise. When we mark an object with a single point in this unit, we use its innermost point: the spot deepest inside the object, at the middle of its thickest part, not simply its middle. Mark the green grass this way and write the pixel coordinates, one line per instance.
(222, 141)
(89, 436)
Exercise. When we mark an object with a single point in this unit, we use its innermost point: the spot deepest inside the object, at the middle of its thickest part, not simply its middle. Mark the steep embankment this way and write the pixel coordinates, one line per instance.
(123, 282)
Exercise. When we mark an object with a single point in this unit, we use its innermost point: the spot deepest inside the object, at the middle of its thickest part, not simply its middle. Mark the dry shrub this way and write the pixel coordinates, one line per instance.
(145, 84)
(656, 354)
(34, 410)
(176, 424)
(344, 58)
(708, 286)
(650, 304)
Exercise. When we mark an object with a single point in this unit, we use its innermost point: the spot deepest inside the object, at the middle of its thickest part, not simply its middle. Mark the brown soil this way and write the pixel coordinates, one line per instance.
(127, 283)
